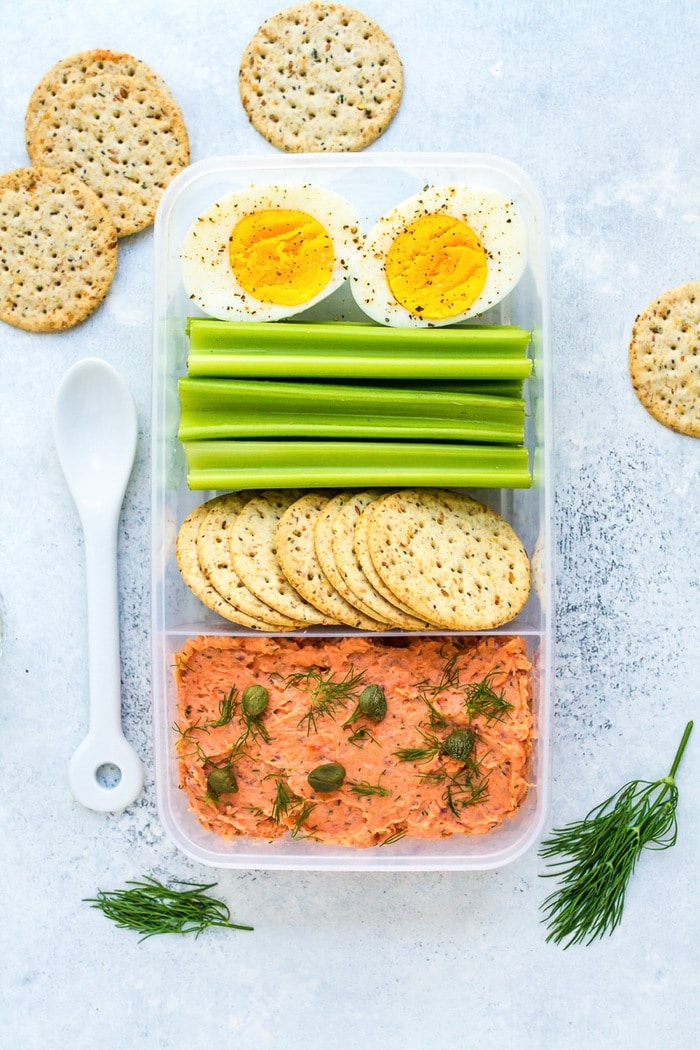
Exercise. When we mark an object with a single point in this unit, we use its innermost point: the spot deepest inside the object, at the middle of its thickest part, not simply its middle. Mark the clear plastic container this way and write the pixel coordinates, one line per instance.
(373, 182)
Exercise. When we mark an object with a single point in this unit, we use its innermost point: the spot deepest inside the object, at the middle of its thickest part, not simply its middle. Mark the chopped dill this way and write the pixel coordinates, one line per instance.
(285, 800)
(301, 817)
(481, 698)
(327, 693)
(288, 802)
(465, 787)
(432, 747)
(227, 709)
(360, 736)
(363, 788)
(396, 837)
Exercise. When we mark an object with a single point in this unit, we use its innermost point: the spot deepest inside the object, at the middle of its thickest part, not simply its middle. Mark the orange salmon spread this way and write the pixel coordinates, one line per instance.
(448, 756)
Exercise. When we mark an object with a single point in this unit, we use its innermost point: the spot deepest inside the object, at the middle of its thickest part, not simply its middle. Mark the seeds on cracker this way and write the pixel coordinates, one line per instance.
(191, 571)
(216, 561)
(58, 249)
(342, 527)
(298, 559)
(456, 562)
(254, 555)
(76, 68)
(323, 542)
(125, 137)
(320, 77)
(441, 559)
(664, 358)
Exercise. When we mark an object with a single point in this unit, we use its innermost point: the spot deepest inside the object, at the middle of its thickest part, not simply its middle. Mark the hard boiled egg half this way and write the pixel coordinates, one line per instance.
(268, 252)
(443, 255)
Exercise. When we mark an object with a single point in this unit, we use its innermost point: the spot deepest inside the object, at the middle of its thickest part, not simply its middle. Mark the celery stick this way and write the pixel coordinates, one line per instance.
(229, 408)
(289, 464)
(352, 350)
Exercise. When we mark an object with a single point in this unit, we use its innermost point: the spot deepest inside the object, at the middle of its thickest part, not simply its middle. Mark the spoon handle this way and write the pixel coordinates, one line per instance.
(105, 744)
(104, 660)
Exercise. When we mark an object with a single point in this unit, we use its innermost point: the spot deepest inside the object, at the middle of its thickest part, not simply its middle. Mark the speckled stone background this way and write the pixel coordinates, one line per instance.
(598, 102)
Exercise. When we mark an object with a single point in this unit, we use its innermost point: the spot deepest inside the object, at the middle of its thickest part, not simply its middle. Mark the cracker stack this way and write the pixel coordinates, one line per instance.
(412, 559)
(105, 137)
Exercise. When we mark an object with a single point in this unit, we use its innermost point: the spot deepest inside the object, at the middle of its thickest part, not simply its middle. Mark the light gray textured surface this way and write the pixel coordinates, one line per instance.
(597, 101)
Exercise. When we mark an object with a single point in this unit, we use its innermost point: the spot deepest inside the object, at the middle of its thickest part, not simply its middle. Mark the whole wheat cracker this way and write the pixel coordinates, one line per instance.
(664, 358)
(362, 554)
(296, 551)
(454, 560)
(76, 68)
(123, 136)
(214, 554)
(320, 77)
(323, 542)
(342, 527)
(58, 249)
(254, 554)
(193, 576)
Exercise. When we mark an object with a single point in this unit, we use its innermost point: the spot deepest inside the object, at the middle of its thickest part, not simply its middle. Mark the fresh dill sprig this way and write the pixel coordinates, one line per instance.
(227, 709)
(360, 736)
(363, 788)
(150, 908)
(288, 802)
(327, 694)
(432, 746)
(595, 857)
(481, 698)
(466, 786)
(449, 679)
(302, 816)
(285, 800)
(395, 837)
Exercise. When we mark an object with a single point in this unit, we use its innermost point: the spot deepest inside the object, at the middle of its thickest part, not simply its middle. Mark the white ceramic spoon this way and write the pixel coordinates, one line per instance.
(95, 431)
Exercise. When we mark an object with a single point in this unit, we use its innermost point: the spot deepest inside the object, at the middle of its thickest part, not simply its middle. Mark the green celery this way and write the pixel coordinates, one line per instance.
(230, 464)
(229, 408)
(352, 350)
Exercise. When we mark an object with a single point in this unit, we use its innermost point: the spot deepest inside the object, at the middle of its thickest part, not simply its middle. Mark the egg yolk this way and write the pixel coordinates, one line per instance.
(436, 267)
(281, 256)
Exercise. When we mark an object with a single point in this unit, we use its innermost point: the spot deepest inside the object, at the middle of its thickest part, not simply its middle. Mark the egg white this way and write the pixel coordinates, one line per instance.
(493, 218)
(207, 274)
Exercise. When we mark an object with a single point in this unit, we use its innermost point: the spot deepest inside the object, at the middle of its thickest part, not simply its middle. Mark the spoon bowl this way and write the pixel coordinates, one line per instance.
(95, 432)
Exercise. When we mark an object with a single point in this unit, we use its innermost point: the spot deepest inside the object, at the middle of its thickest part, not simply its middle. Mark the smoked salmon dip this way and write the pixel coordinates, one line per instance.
(440, 744)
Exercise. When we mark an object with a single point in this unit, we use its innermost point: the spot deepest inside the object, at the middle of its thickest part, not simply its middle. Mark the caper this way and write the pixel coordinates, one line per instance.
(459, 744)
(327, 777)
(254, 700)
(222, 782)
(372, 702)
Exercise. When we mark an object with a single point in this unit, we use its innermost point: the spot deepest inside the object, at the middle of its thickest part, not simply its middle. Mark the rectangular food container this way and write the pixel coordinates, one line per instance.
(374, 183)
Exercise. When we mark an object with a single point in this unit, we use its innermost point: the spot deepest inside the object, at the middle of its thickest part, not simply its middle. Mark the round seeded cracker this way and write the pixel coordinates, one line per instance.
(361, 550)
(323, 542)
(296, 551)
(664, 358)
(76, 68)
(254, 554)
(192, 574)
(320, 77)
(58, 249)
(454, 560)
(214, 555)
(123, 136)
(345, 557)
